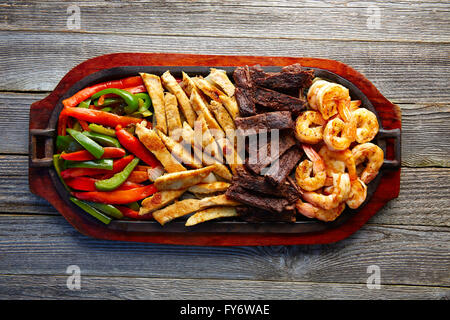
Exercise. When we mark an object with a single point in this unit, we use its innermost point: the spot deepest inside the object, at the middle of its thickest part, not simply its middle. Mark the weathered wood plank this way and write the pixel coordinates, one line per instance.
(54, 287)
(46, 245)
(288, 19)
(422, 188)
(425, 127)
(403, 72)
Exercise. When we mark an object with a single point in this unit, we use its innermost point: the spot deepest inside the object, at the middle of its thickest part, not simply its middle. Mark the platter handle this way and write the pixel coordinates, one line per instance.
(395, 134)
(41, 147)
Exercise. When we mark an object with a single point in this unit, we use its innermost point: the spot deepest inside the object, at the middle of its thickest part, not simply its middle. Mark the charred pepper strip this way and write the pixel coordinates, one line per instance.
(132, 144)
(91, 210)
(88, 184)
(88, 92)
(130, 99)
(115, 181)
(93, 147)
(117, 196)
(100, 117)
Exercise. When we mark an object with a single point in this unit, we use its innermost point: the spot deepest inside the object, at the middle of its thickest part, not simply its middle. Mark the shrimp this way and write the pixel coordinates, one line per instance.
(311, 96)
(340, 191)
(374, 156)
(338, 162)
(366, 125)
(338, 135)
(354, 105)
(358, 194)
(327, 97)
(309, 127)
(306, 167)
(310, 211)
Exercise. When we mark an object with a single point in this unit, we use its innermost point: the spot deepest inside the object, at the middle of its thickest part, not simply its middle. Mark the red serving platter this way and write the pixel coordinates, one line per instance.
(42, 184)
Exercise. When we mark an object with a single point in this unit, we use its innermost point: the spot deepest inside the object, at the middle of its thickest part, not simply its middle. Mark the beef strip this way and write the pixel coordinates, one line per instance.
(245, 91)
(273, 204)
(264, 122)
(253, 214)
(250, 181)
(285, 141)
(278, 101)
(279, 170)
(244, 99)
(293, 76)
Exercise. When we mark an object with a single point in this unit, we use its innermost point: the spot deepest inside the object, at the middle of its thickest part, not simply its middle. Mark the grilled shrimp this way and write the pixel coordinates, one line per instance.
(337, 162)
(306, 167)
(309, 127)
(311, 96)
(366, 125)
(373, 155)
(328, 97)
(339, 193)
(358, 194)
(310, 211)
(338, 135)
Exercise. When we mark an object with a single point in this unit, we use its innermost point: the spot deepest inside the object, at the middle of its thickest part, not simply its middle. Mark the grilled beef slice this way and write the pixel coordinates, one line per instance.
(279, 171)
(250, 181)
(253, 214)
(265, 122)
(264, 157)
(293, 76)
(278, 101)
(244, 99)
(273, 204)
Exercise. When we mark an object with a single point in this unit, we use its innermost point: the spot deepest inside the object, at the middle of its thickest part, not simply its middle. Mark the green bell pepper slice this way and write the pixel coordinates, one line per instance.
(108, 101)
(90, 145)
(102, 130)
(91, 210)
(130, 99)
(134, 206)
(58, 164)
(85, 104)
(67, 144)
(115, 181)
(107, 209)
(103, 139)
(106, 164)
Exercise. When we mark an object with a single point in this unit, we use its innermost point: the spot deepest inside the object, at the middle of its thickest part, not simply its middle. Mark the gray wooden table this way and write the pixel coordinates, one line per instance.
(402, 47)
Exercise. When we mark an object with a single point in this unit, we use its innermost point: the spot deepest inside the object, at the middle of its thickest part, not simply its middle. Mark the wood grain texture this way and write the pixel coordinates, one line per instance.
(410, 73)
(343, 20)
(139, 288)
(406, 255)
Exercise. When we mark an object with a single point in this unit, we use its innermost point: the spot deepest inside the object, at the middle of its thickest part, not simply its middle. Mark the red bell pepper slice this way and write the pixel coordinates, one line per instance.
(89, 91)
(130, 213)
(84, 155)
(117, 196)
(100, 117)
(118, 165)
(132, 144)
(138, 176)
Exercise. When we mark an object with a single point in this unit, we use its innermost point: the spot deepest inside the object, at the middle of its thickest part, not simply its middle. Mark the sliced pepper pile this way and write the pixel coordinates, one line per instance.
(99, 159)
